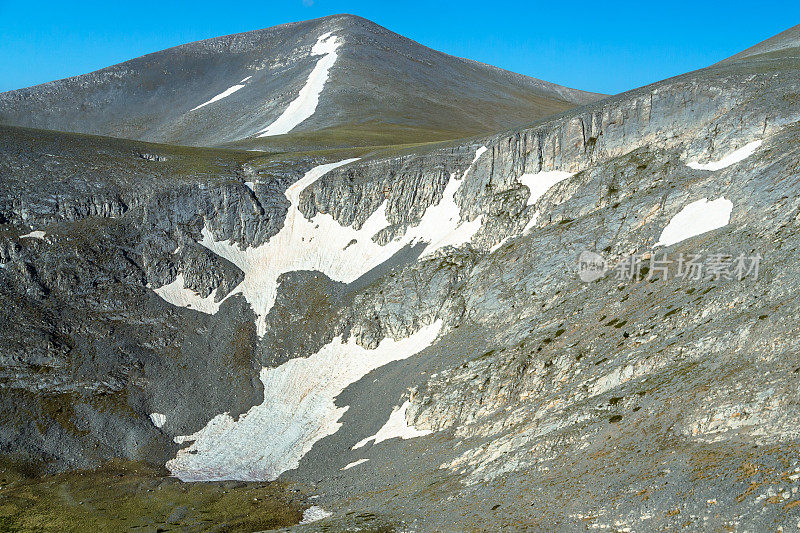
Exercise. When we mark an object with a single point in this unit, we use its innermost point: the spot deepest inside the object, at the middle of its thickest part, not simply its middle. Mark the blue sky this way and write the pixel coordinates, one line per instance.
(598, 46)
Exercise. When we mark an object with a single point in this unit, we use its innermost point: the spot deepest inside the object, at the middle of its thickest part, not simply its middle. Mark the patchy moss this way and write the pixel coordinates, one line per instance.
(487, 355)
(61, 409)
(371, 134)
(128, 495)
(112, 402)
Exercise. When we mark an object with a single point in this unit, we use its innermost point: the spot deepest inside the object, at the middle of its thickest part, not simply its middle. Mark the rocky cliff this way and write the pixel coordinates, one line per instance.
(411, 336)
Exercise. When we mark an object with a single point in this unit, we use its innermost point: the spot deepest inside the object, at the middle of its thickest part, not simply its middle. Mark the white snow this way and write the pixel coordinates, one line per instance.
(395, 427)
(354, 463)
(306, 102)
(541, 182)
(730, 159)
(158, 419)
(531, 223)
(227, 92)
(36, 234)
(323, 245)
(314, 513)
(441, 224)
(696, 218)
(298, 410)
(499, 244)
(176, 293)
(301, 244)
(250, 185)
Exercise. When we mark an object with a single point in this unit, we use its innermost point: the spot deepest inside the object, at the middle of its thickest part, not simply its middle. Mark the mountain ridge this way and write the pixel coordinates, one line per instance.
(427, 341)
(376, 77)
(782, 42)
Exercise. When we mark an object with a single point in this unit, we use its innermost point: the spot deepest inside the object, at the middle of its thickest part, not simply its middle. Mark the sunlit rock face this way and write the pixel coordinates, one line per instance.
(405, 333)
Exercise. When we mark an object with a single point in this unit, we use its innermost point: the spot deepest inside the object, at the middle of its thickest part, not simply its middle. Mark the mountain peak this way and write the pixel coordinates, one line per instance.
(365, 85)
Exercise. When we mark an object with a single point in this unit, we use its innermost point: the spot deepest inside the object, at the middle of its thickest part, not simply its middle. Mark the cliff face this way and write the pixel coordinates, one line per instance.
(440, 289)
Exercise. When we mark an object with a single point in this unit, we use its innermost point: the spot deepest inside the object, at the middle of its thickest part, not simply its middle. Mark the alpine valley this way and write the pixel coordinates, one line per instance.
(322, 277)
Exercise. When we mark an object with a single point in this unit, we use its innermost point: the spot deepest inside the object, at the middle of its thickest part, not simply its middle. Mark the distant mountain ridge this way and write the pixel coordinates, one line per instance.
(229, 89)
(783, 42)
(405, 337)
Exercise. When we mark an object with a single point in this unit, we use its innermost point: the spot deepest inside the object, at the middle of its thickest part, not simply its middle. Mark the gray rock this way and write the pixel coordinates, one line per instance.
(660, 402)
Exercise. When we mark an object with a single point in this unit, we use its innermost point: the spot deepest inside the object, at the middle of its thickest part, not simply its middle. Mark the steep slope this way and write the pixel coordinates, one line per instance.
(342, 78)
(419, 340)
(786, 42)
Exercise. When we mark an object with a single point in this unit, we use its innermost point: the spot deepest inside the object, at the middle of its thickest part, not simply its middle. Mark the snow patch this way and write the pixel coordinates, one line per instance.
(441, 224)
(224, 94)
(696, 218)
(354, 463)
(541, 182)
(499, 244)
(301, 244)
(531, 223)
(730, 159)
(395, 427)
(314, 513)
(538, 184)
(298, 410)
(178, 294)
(307, 100)
(158, 419)
(36, 234)
(321, 244)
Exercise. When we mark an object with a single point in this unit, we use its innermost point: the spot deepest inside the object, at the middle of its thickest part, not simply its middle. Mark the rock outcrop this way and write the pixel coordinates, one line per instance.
(661, 395)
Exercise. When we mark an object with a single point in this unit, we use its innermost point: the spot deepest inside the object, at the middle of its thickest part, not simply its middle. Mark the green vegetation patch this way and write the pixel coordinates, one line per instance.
(129, 497)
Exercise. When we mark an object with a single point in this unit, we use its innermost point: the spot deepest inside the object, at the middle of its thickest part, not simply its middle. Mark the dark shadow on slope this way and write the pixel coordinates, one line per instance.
(370, 401)
(304, 316)
(405, 256)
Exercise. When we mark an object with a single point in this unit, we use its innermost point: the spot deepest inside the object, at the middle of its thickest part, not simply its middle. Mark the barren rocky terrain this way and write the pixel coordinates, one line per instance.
(402, 335)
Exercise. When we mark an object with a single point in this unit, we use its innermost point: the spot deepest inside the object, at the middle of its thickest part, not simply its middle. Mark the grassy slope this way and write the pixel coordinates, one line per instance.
(383, 134)
(125, 496)
(344, 137)
(111, 158)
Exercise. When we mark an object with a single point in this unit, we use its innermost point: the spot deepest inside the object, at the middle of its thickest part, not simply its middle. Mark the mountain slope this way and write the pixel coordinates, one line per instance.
(785, 42)
(411, 340)
(339, 74)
